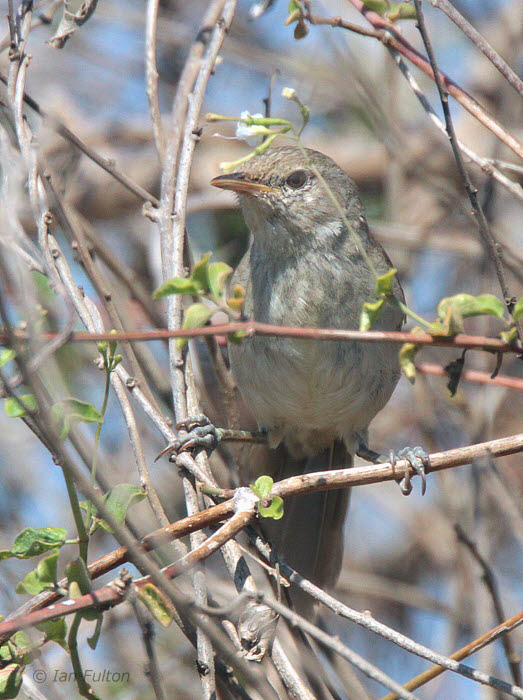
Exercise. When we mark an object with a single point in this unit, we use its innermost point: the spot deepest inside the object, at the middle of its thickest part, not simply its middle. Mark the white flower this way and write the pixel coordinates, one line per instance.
(249, 132)
(288, 93)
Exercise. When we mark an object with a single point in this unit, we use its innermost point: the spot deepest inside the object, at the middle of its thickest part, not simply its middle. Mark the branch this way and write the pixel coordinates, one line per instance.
(251, 328)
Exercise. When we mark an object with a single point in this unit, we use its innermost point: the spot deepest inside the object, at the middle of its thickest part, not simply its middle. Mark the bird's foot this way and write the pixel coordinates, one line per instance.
(200, 434)
(416, 457)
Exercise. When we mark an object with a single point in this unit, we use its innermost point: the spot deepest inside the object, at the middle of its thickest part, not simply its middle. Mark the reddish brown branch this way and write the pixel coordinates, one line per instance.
(393, 39)
(473, 375)
(251, 328)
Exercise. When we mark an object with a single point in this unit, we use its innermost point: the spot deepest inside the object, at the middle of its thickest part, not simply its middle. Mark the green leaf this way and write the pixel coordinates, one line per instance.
(93, 640)
(78, 578)
(10, 681)
(379, 6)
(69, 411)
(19, 648)
(31, 585)
(15, 409)
(159, 606)
(468, 305)
(370, 312)
(401, 10)
(236, 337)
(219, 273)
(195, 316)
(200, 274)
(176, 285)
(384, 283)
(407, 354)
(120, 498)
(6, 356)
(274, 510)
(262, 486)
(34, 541)
(517, 311)
(508, 336)
(55, 631)
(40, 578)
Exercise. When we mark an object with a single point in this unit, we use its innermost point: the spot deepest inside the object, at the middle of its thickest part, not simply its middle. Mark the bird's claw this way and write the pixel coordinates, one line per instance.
(418, 459)
(201, 434)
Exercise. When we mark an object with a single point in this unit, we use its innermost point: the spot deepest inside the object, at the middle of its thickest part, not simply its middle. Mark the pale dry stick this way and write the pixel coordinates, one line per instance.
(172, 257)
(393, 39)
(468, 650)
(151, 669)
(194, 504)
(473, 375)
(342, 478)
(132, 430)
(491, 245)
(151, 75)
(480, 41)
(485, 164)
(366, 621)
(44, 17)
(104, 163)
(194, 100)
(85, 311)
(335, 645)
(513, 658)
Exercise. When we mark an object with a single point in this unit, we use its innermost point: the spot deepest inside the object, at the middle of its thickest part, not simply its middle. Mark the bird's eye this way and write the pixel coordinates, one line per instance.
(297, 179)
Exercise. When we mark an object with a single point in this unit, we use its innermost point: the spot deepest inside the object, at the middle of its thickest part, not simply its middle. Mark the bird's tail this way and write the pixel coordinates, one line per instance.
(310, 535)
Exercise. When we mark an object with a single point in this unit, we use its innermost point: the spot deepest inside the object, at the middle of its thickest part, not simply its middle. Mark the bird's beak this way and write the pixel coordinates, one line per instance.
(240, 182)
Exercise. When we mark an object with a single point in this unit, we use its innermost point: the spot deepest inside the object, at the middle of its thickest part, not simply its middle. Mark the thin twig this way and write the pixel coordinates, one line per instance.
(151, 75)
(480, 41)
(513, 658)
(490, 243)
(473, 375)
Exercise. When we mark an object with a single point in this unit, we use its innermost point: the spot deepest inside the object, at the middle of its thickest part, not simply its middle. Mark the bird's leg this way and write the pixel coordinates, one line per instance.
(201, 434)
(416, 457)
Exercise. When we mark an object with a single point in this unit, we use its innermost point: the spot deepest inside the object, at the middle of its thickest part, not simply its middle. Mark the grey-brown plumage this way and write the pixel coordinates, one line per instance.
(307, 267)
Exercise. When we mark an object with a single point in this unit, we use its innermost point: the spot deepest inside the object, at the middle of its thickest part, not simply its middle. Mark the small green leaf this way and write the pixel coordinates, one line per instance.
(195, 316)
(236, 337)
(262, 486)
(517, 311)
(120, 498)
(40, 578)
(78, 578)
(468, 305)
(384, 283)
(219, 273)
(6, 356)
(507, 336)
(93, 640)
(10, 681)
(55, 631)
(69, 411)
(274, 510)
(176, 285)
(15, 409)
(200, 274)
(159, 606)
(31, 585)
(34, 541)
(370, 312)
(379, 6)
(401, 10)
(406, 357)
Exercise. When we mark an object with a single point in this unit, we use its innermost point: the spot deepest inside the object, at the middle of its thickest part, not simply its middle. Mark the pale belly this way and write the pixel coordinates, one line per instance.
(308, 393)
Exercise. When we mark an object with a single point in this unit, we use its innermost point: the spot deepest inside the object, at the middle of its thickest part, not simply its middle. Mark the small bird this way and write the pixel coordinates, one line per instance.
(313, 262)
